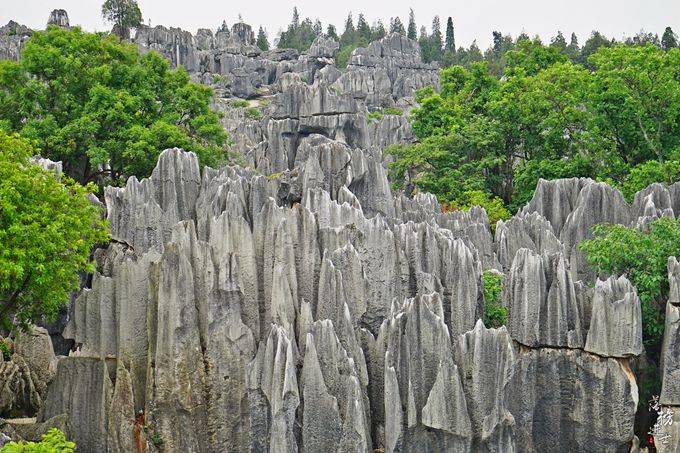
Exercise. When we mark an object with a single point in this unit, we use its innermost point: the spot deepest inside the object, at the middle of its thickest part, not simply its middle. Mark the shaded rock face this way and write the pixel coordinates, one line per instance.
(670, 351)
(24, 377)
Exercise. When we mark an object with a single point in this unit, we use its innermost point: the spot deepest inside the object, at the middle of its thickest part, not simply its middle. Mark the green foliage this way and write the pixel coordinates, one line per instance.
(343, 55)
(299, 35)
(378, 114)
(253, 113)
(89, 100)
(47, 230)
(492, 205)
(495, 314)
(262, 41)
(156, 439)
(644, 174)
(546, 118)
(392, 111)
(239, 103)
(4, 349)
(124, 14)
(642, 256)
(374, 116)
(54, 441)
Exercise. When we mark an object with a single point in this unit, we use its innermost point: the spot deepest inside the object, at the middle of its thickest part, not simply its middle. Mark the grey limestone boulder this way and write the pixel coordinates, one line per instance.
(615, 328)
(670, 350)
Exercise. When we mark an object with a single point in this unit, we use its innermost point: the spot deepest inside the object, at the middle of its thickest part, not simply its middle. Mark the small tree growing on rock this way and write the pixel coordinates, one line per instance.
(124, 14)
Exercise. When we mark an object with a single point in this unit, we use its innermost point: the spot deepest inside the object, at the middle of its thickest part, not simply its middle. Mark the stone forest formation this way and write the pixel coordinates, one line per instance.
(296, 302)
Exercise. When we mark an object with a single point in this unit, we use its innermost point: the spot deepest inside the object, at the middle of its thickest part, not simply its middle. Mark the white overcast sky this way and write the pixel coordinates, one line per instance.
(472, 19)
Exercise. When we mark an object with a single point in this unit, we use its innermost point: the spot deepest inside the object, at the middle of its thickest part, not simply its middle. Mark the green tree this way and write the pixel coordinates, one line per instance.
(396, 26)
(412, 32)
(559, 42)
(495, 314)
(363, 29)
(450, 44)
(436, 40)
(332, 33)
(262, 41)
(349, 33)
(103, 109)
(47, 230)
(642, 256)
(378, 31)
(669, 40)
(591, 46)
(123, 14)
(636, 98)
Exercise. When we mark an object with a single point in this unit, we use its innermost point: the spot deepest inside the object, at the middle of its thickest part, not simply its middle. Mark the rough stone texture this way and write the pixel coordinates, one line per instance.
(543, 307)
(668, 439)
(59, 18)
(568, 400)
(299, 304)
(425, 406)
(670, 350)
(82, 390)
(487, 364)
(24, 378)
(615, 328)
(280, 314)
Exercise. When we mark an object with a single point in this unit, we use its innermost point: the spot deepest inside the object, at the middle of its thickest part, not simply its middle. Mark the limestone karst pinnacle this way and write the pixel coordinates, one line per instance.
(297, 303)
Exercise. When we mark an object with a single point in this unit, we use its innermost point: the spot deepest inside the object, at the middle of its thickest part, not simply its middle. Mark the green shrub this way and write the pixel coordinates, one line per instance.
(493, 206)
(54, 441)
(392, 111)
(239, 103)
(4, 349)
(643, 257)
(495, 314)
(649, 172)
(156, 439)
(253, 113)
(377, 115)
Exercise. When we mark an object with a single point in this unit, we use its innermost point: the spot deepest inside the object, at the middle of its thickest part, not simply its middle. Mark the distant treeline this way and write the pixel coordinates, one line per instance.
(440, 46)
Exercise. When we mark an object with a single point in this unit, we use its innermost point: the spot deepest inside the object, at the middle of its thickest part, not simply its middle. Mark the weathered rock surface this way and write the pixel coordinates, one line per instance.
(299, 304)
(24, 377)
(555, 393)
(670, 350)
(616, 320)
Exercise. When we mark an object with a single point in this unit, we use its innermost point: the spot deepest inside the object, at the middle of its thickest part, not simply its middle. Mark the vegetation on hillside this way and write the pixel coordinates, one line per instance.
(103, 109)
(548, 117)
(48, 228)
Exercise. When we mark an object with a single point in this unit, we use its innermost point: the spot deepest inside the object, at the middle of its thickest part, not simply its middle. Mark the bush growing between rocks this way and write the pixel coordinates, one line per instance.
(495, 314)
(54, 441)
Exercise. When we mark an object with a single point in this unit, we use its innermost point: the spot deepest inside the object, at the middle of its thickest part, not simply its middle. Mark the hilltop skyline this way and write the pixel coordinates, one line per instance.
(616, 19)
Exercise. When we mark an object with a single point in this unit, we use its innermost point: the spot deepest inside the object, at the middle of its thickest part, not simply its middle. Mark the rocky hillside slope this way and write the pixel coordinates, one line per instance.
(298, 304)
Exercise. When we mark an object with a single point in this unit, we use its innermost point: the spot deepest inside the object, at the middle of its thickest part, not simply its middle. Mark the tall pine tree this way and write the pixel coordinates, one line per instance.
(363, 29)
(262, 41)
(450, 45)
(396, 26)
(332, 33)
(436, 40)
(379, 31)
(412, 32)
(348, 35)
(669, 40)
